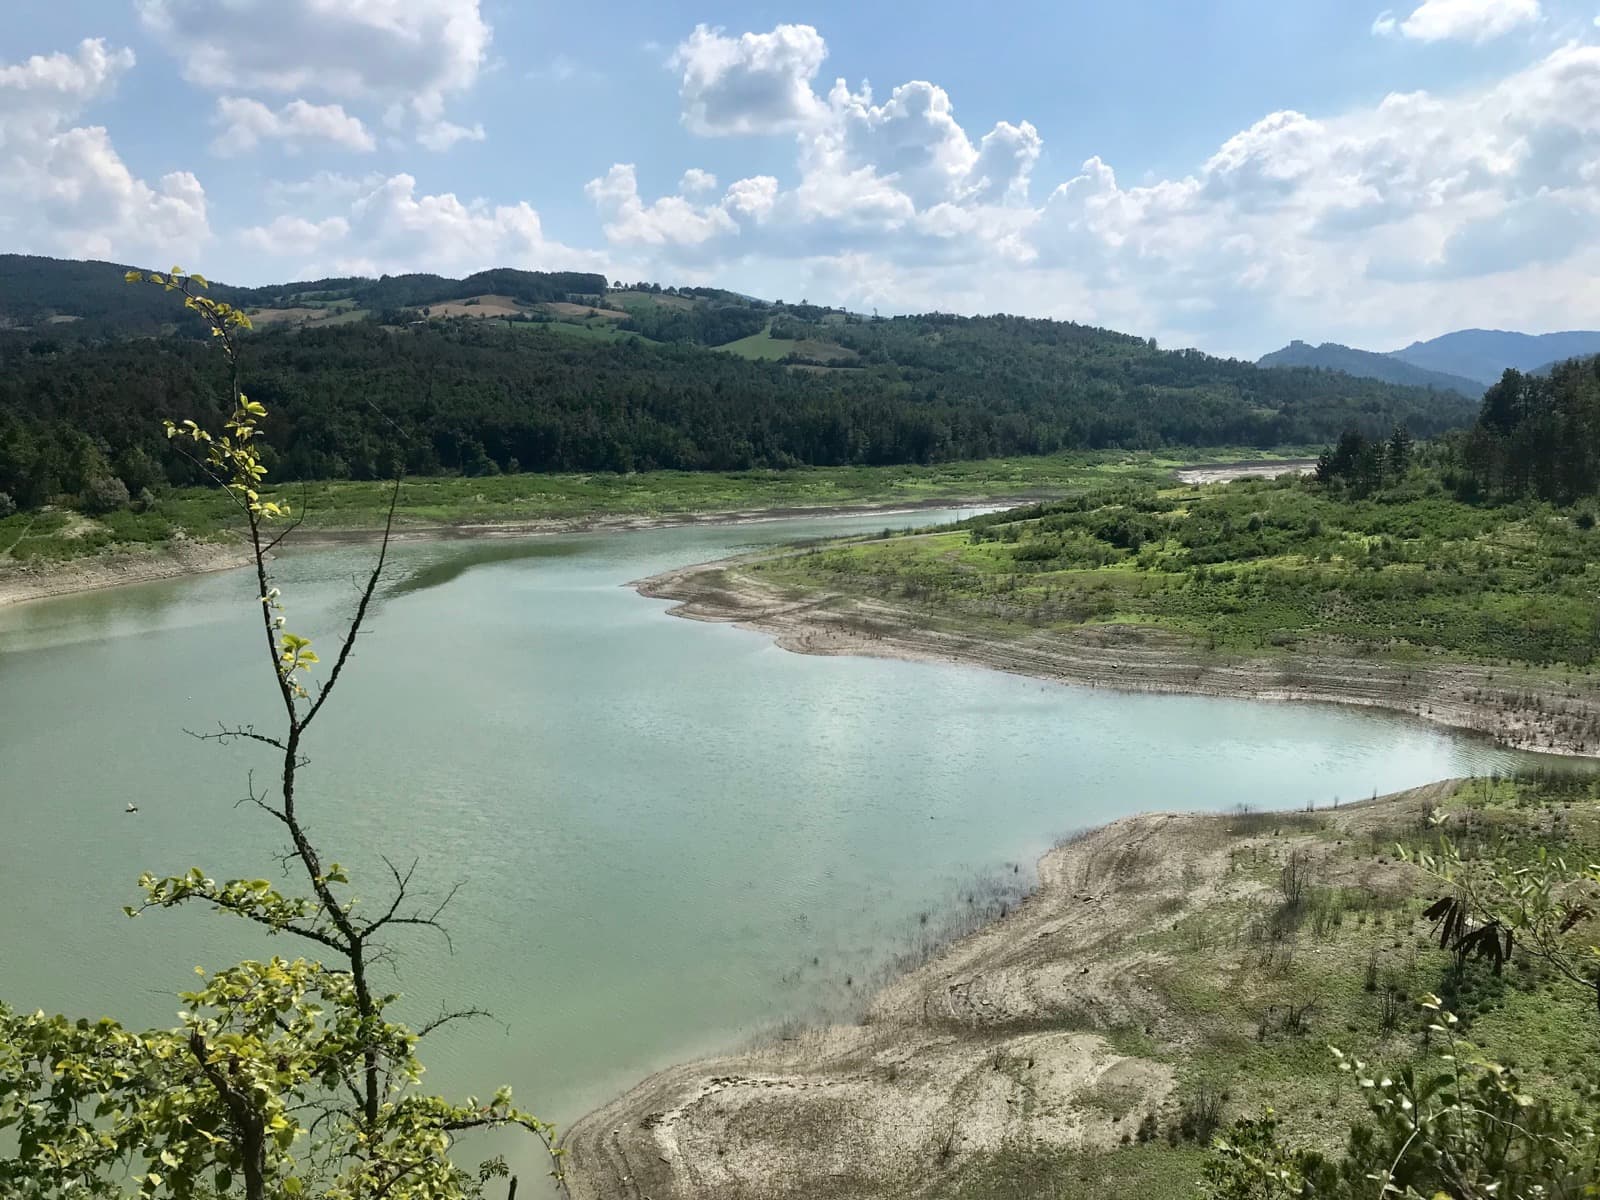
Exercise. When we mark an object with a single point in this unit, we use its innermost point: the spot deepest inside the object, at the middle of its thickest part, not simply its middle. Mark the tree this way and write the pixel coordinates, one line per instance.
(285, 1078)
(104, 494)
(1400, 447)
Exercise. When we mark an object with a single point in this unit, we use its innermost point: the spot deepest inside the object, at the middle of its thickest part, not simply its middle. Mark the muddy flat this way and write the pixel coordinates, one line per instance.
(1226, 472)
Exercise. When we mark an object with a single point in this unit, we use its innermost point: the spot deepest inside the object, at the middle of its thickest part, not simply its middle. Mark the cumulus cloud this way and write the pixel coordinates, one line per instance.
(63, 187)
(1459, 20)
(754, 83)
(296, 237)
(1370, 225)
(389, 228)
(414, 53)
(904, 167)
(247, 123)
(695, 180)
(671, 220)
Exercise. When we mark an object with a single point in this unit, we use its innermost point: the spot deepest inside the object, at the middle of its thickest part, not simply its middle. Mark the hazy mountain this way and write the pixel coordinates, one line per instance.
(1364, 364)
(1484, 354)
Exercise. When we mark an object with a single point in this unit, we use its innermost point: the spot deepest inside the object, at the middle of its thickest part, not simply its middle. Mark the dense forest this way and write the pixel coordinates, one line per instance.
(1539, 434)
(544, 390)
(1536, 436)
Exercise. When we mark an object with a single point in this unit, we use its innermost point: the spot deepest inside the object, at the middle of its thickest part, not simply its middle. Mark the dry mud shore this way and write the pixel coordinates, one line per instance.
(114, 568)
(1549, 712)
(1006, 1039)
(183, 556)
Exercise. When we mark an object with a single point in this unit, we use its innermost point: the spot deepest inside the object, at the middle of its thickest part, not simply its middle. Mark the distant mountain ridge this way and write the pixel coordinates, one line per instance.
(1485, 354)
(1467, 361)
(1364, 364)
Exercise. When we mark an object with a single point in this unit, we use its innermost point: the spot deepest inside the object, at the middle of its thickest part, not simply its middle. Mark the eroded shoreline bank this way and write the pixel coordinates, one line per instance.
(183, 557)
(1050, 1031)
(1544, 712)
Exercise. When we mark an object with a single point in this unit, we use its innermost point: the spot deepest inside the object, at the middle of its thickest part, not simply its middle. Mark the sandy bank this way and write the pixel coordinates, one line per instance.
(1549, 712)
(182, 556)
(634, 522)
(1016, 1036)
(115, 568)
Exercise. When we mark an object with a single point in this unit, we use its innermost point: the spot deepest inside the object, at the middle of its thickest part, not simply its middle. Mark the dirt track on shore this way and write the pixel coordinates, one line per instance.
(1548, 712)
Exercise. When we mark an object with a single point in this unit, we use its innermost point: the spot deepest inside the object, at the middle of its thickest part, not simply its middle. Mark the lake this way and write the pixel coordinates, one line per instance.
(672, 834)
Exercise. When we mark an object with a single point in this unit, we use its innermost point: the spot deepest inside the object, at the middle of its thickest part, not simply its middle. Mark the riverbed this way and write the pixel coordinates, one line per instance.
(673, 835)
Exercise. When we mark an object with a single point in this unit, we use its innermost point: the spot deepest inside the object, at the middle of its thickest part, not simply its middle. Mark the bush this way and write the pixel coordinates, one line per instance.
(1201, 1114)
(7, 505)
(105, 494)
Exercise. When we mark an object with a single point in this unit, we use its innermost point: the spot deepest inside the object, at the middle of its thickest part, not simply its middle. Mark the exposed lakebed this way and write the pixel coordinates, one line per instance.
(673, 834)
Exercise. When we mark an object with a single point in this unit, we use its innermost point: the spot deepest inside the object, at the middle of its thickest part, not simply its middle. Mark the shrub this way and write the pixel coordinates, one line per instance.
(7, 505)
(1201, 1114)
(105, 494)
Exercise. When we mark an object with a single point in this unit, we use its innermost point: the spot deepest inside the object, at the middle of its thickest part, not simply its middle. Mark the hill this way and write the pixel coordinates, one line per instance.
(1485, 354)
(77, 300)
(1366, 365)
(517, 371)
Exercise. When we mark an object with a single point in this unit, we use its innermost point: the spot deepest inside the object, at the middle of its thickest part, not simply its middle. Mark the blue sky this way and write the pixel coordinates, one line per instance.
(1229, 174)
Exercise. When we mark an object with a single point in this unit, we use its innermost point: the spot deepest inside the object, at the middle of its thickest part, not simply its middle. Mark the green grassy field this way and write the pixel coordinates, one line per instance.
(205, 513)
(765, 347)
(1257, 566)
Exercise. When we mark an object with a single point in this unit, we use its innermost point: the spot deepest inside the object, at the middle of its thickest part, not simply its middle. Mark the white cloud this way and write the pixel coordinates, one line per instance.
(753, 198)
(414, 53)
(247, 123)
(904, 168)
(1372, 225)
(696, 180)
(296, 237)
(60, 79)
(671, 220)
(322, 188)
(63, 187)
(38, 95)
(390, 228)
(1459, 20)
(755, 83)
(440, 135)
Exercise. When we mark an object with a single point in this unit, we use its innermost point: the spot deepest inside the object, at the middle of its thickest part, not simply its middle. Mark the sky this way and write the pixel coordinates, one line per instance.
(1229, 174)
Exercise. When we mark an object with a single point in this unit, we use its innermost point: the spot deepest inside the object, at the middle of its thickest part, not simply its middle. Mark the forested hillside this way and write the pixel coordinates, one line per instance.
(524, 372)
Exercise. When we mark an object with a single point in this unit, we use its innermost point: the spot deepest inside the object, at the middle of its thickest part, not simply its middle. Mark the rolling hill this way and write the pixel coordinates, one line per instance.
(529, 371)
